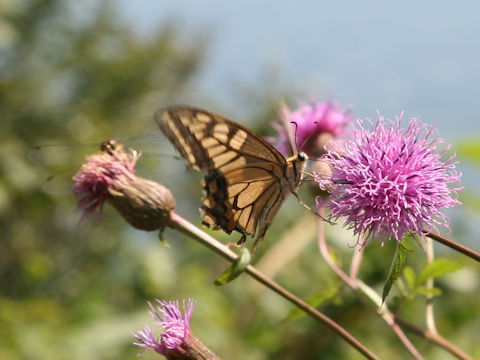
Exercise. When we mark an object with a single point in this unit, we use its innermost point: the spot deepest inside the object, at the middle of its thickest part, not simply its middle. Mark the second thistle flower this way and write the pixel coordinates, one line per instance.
(314, 123)
(388, 181)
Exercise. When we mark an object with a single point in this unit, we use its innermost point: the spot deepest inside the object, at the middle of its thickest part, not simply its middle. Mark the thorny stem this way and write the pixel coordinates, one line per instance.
(182, 225)
(453, 245)
(393, 320)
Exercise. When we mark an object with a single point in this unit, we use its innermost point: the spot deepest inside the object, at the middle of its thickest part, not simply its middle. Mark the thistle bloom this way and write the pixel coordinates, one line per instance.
(109, 176)
(107, 169)
(315, 123)
(176, 341)
(176, 326)
(388, 181)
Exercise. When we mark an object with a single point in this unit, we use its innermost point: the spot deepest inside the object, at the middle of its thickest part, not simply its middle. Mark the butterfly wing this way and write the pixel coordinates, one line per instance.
(246, 178)
(209, 141)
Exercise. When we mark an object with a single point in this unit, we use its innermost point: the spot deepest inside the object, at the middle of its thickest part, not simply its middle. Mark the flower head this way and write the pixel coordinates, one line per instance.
(109, 176)
(315, 123)
(111, 168)
(175, 325)
(388, 181)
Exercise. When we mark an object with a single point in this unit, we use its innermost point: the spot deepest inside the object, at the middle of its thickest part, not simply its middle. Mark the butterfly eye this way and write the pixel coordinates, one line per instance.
(302, 156)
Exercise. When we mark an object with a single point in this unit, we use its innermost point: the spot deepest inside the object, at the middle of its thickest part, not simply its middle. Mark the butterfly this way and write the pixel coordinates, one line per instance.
(246, 179)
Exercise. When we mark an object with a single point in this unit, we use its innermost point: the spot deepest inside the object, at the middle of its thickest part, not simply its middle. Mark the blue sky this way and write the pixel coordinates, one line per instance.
(422, 57)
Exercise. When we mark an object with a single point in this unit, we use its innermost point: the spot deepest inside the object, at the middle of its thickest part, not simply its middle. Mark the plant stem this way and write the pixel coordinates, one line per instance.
(355, 264)
(182, 225)
(393, 320)
(453, 245)
(322, 246)
(434, 338)
(356, 285)
(429, 316)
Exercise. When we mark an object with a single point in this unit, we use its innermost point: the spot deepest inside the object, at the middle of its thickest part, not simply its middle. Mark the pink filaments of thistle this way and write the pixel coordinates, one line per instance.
(313, 124)
(109, 176)
(388, 182)
(111, 168)
(176, 341)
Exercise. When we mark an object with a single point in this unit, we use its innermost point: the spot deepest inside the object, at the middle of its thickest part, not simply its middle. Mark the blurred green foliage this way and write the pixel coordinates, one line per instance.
(72, 73)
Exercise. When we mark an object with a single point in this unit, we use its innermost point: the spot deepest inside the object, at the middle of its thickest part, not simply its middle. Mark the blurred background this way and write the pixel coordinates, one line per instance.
(77, 73)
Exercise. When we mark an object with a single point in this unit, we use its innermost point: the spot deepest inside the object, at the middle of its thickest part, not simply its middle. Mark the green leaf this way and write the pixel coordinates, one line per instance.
(409, 275)
(397, 264)
(422, 290)
(410, 242)
(314, 301)
(435, 269)
(234, 270)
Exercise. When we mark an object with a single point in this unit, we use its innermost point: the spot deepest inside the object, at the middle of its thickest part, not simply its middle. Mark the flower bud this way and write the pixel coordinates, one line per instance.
(109, 176)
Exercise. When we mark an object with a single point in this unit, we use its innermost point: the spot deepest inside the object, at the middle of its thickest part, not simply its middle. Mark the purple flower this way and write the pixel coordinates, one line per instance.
(110, 169)
(311, 121)
(175, 325)
(110, 177)
(388, 182)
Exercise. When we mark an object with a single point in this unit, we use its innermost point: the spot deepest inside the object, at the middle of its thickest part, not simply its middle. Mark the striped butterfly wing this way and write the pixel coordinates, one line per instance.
(246, 178)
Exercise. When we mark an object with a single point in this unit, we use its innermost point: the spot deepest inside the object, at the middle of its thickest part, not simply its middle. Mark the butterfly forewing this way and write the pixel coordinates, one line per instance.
(246, 178)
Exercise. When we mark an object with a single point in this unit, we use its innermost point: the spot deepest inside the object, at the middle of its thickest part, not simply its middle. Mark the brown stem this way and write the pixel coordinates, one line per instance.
(322, 246)
(393, 320)
(434, 338)
(182, 225)
(354, 284)
(429, 315)
(453, 245)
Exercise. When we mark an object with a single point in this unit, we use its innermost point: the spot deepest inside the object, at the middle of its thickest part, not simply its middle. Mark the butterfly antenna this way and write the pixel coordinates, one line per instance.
(295, 135)
(310, 135)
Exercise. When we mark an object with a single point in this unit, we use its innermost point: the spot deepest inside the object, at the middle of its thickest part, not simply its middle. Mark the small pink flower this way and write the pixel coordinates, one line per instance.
(103, 171)
(310, 121)
(176, 327)
(388, 182)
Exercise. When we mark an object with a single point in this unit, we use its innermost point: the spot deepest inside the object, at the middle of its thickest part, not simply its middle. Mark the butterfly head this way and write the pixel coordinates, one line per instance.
(302, 157)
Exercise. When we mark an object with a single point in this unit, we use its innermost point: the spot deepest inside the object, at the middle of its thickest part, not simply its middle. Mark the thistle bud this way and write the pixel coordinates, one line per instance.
(109, 176)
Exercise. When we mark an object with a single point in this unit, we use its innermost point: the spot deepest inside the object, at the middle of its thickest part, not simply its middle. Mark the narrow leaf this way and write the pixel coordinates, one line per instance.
(397, 264)
(234, 270)
(435, 269)
(410, 242)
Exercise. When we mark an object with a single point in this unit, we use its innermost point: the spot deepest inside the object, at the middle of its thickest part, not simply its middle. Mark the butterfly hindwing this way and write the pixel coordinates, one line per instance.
(246, 178)
(242, 199)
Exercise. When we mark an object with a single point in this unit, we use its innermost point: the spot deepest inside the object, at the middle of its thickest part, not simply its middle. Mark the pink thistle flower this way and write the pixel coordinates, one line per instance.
(388, 182)
(146, 339)
(109, 176)
(175, 325)
(312, 121)
(176, 341)
(112, 168)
